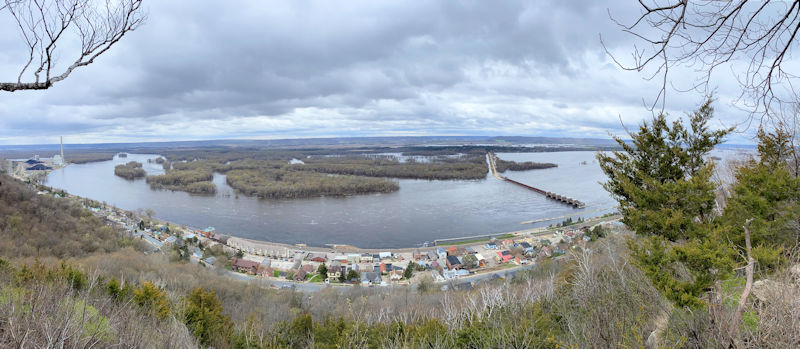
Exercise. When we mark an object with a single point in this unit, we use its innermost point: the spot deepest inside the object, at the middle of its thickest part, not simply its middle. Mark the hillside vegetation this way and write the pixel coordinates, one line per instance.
(40, 225)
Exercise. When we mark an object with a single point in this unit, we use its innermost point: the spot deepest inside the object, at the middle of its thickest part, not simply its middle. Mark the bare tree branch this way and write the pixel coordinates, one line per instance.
(703, 35)
(47, 24)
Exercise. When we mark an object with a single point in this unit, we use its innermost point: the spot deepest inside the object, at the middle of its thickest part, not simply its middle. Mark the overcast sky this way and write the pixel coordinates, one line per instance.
(288, 69)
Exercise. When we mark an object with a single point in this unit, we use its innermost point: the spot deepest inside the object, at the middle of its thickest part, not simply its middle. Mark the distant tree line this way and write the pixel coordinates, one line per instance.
(131, 170)
(465, 167)
(506, 165)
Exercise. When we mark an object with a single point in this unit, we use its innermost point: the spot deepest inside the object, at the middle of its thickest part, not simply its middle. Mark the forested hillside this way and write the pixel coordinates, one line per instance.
(40, 225)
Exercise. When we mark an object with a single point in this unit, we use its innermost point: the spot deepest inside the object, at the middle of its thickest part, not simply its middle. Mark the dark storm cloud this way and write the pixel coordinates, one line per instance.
(312, 68)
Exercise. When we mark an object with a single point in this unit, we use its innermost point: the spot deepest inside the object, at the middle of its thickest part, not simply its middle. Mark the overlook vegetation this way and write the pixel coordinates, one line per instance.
(130, 171)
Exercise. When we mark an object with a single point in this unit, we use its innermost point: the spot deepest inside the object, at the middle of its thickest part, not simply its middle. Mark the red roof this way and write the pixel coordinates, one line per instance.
(243, 263)
(505, 256)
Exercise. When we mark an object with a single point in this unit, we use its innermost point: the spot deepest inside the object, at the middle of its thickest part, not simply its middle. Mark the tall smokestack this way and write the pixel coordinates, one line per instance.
(62, 150)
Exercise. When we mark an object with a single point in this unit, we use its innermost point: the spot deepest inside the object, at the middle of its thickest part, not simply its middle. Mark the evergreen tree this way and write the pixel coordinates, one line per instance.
(152, 299)
(352, 274)
(409, 270)
(665, 194)
(204, 317)
(322, 270)
(766, 193)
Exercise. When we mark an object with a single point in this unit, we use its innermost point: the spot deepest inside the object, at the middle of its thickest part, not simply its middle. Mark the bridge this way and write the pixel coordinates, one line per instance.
(550, 195)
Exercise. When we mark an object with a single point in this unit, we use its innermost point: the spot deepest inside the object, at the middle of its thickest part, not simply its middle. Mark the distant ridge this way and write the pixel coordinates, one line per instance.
(334, 141)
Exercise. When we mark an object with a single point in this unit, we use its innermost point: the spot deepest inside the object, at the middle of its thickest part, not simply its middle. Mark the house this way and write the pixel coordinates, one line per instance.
(38, 167)
(384, 255)
(170, 240)
(334, 271)
(371, 277)
(545, 242)
(353, 258)
(208, 232)
(396, 275)
(508, 243)
(265, 268)
(383, 267)
(210, 260)
(453, 262)
(432, 255)
(528, 248)
(317, 257)
(197, 253)
(450, 273)
(452, 251)
(481, 259)
(442, 253)
(299, 275)
(221, 238)
(189, 236)
(265, 271)
(243, 265)
(417, 255)
(308, 268)
(366, 258)
(492, 245)
(504, 256)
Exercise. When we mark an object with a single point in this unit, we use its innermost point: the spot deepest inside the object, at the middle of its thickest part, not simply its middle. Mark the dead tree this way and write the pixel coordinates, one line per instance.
(47, 26)
(704, 35)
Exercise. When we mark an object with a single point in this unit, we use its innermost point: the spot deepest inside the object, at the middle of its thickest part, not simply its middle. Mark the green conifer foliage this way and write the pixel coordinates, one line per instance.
(665, 194)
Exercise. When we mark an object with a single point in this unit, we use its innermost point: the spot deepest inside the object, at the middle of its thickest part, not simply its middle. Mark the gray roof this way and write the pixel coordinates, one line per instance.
(371, 276)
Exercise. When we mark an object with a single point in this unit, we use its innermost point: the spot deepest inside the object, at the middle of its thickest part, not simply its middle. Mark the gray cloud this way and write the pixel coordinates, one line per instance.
(318, 68)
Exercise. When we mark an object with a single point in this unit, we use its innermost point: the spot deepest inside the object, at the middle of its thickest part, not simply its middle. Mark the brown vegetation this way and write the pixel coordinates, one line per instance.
(196, 181)
(439, 168)
(276, 184)
(40, 225)
(506, 165)
(130, 171)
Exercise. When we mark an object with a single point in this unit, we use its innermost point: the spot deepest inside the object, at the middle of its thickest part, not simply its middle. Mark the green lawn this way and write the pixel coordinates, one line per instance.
(468, 242)
(315, 278)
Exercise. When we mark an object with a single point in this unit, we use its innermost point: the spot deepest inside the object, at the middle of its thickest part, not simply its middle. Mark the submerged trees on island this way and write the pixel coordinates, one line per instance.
(131, 170)
(265, 176)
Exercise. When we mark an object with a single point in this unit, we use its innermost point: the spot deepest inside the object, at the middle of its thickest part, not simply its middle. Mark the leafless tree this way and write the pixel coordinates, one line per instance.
(48, 26)
(705, 35)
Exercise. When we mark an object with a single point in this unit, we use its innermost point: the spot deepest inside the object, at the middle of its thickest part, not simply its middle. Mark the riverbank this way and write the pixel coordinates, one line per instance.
(279, 263)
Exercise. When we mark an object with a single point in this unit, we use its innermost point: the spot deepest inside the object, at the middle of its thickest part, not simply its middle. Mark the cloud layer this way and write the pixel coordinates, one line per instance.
(285, 69)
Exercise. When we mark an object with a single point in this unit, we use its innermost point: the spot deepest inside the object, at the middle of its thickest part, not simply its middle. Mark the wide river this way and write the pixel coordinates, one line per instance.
(420, 211)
